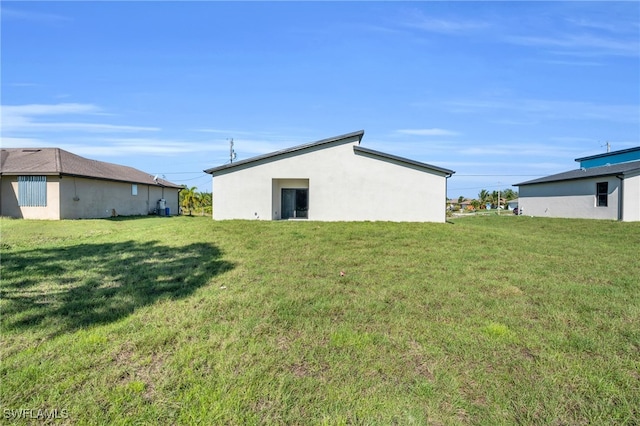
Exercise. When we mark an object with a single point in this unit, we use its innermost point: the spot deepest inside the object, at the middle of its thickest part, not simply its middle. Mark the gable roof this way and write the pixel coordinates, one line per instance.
(614, 169)
(357, 149)
(275, 155)
(56, 161)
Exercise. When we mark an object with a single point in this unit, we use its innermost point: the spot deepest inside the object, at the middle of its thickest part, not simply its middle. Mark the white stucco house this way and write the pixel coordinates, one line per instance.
(606, 186)
(333, 179)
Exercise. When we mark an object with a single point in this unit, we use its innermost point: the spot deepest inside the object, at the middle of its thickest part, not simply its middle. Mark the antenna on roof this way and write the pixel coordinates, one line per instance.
(608, 145)
(232, 153)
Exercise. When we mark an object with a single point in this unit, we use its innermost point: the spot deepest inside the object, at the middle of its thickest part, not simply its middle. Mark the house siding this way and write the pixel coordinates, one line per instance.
(631, 204)
(571, 199)
(343, 186)
(10, 207)
(94, 198)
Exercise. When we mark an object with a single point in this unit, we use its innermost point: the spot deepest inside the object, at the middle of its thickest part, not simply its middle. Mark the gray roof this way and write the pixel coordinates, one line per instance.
(613, 169)
(359, 134)
(56, 161)
(402, 160)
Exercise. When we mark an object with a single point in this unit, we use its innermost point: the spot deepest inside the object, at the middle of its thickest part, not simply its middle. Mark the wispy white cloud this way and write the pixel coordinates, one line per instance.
(48, 109)
(537, 109)
(19, 142)
(586, 45)
(17, 119)
(427, 132)
(144, 146)
(418, 20)
(24, 15)
(616, 27)
(573, 63)
(224, 131)
(21, 84)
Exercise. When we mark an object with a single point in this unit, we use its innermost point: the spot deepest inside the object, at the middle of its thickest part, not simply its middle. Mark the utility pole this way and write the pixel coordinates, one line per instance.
(232, 153)
(498, 198)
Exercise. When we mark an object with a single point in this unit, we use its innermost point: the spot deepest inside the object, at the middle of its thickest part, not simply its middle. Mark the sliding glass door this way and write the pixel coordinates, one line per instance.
(295, 203)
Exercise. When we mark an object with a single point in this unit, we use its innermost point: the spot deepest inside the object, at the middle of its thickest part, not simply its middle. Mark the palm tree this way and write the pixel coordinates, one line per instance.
(206, 201)
(495, 199)
(189, 199)
(509, 194)
(484, 197)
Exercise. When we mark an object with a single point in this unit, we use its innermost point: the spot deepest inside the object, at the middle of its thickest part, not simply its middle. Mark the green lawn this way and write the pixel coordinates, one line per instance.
(484, 320)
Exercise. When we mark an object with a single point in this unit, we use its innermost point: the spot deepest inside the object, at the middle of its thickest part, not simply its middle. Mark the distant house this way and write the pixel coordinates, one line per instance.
(466, 204)
(51, 183)
(606, 186)
(332, 179)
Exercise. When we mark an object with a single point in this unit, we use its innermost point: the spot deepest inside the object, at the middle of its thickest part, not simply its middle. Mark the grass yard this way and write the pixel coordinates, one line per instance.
(483, 320)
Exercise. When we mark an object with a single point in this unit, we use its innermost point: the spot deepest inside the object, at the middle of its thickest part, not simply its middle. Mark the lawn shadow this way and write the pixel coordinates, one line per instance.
(66, 288)
(137, 217)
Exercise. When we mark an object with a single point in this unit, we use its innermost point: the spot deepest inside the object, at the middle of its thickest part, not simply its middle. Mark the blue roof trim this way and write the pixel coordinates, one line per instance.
(608, 154)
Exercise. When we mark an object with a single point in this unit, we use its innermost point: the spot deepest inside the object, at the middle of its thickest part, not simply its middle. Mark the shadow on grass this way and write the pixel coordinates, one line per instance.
(67, 288)
(138, 217)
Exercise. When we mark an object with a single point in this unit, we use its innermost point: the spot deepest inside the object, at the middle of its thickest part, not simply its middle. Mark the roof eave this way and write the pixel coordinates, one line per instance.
(446, 172)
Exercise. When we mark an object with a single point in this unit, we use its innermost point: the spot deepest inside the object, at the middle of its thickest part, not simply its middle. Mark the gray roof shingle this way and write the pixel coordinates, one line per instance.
(56, 161)
(614, 169)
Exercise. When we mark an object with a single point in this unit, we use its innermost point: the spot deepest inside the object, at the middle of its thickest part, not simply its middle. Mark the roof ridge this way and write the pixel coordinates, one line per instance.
(58, 160)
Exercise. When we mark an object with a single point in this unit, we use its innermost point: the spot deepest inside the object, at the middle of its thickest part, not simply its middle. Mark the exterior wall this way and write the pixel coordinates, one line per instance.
(343, 186)
(81, 198)
(9, 204)
(570, 199)
(631, 202)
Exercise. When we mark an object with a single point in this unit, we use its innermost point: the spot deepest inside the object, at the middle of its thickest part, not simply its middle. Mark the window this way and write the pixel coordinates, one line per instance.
(32, 191)
(602, 194)
(134, 189)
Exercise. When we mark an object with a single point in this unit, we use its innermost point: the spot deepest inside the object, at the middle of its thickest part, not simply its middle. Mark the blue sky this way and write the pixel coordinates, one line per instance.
(500, 92)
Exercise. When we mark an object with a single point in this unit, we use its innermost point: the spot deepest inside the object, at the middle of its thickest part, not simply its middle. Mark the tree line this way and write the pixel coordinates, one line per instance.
(192, 201)
(493, 198)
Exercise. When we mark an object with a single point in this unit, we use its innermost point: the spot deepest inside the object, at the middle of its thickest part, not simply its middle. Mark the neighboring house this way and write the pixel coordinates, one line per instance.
(607, 186)
(466, 205)
(332, 179)
(51, 183)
